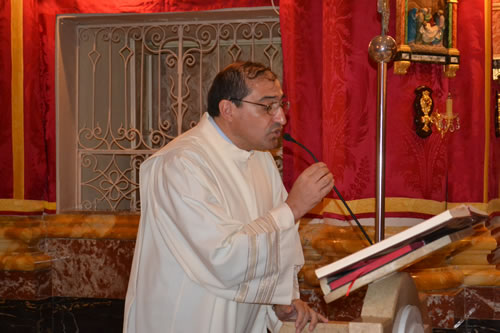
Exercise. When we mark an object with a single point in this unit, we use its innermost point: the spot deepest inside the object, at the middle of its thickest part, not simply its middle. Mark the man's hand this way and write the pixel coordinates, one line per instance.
(301, 312)
(310, 187)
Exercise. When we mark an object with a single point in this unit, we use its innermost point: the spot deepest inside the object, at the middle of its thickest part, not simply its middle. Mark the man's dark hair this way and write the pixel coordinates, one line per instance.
(231, 83)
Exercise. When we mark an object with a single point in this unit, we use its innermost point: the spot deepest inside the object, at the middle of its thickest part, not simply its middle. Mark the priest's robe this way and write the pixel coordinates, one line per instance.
(216, 244)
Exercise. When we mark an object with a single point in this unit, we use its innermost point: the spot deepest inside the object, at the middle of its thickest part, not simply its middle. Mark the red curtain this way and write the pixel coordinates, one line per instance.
(38, 26)
(6, 185)
(332, 84)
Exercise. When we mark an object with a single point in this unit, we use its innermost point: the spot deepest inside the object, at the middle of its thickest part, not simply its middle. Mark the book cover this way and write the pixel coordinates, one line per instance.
(449, 221)
(397, 252)
(394, 266)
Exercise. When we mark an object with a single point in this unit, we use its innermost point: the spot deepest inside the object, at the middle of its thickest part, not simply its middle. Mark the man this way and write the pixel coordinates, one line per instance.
(218, 248)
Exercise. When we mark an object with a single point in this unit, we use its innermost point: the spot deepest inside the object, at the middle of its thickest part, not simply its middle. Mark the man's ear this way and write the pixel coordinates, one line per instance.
(226, 109)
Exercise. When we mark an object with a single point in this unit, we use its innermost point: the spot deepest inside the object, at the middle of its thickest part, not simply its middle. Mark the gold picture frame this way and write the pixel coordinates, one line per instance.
(426, 31)
(495, 32)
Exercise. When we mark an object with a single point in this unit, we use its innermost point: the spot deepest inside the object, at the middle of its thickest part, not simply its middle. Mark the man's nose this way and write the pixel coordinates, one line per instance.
(280, 116)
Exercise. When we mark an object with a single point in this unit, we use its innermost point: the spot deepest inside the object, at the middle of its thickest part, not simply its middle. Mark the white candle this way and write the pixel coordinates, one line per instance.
(449, 107)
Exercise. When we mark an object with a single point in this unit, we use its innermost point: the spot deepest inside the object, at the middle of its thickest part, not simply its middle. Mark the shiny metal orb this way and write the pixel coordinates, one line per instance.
(382, 48)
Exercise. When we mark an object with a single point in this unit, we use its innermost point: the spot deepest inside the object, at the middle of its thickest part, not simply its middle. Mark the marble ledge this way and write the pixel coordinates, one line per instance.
(29, 230)
(449, 309)
(472, 261)
(84, 268)
(322, 244)
(29, 261)
(94, 226)
(90, 267)
(23, 240)
(445, 309)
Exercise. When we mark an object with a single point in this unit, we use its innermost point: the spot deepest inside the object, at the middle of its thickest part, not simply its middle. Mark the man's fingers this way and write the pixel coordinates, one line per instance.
(327, 180)
(314, 321)
(326, 177)
(301, 324)
(322, 318)
(299, 319)
(306, 315)
(303, 315)
(310, 187)
(316, 170)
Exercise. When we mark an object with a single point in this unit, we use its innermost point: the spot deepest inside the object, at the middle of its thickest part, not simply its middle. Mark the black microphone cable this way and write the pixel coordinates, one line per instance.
(288, 137)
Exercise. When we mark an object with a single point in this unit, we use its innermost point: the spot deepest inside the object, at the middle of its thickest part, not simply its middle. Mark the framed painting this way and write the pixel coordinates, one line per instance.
(426, 31)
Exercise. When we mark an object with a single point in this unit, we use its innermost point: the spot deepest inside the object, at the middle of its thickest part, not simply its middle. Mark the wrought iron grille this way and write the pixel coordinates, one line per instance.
(141, 84)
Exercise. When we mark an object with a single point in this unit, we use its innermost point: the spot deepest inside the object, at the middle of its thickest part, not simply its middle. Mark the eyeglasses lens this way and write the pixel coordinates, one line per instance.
(273, 108)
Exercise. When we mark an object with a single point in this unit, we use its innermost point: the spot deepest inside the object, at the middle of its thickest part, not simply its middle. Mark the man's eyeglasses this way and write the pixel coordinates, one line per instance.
(271, 108)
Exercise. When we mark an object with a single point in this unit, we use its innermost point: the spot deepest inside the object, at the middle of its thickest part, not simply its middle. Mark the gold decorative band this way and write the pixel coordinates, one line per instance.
(26, 206)
(17, 98)
(397, 205)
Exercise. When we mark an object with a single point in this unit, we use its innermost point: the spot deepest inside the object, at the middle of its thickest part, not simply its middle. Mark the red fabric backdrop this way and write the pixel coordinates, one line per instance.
(331, 83)
(39, 81)
(6, 185)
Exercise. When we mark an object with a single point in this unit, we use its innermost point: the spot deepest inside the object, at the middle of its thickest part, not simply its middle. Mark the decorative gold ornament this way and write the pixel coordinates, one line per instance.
(425, 116)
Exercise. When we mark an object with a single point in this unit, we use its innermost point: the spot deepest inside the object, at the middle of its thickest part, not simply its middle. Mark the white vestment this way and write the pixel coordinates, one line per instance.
(216, 242)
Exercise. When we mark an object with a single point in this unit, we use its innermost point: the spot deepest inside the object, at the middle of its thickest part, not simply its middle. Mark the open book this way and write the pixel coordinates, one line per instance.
(397, 252)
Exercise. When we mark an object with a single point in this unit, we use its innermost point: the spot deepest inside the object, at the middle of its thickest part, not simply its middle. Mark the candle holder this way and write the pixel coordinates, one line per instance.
(425, 116)
(446, 122)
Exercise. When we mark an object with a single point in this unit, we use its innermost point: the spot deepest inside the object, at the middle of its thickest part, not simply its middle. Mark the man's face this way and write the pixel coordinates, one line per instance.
(253, 127)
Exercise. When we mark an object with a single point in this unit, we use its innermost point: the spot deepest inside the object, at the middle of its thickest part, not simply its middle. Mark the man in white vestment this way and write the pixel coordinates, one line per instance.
(218, 248)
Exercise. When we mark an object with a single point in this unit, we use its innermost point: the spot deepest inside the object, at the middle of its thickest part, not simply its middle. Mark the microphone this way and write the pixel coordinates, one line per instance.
(288, 137)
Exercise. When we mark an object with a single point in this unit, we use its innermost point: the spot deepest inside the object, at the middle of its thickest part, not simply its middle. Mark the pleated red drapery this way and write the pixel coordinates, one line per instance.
(36, 190)
(6, 163)
(332, 84)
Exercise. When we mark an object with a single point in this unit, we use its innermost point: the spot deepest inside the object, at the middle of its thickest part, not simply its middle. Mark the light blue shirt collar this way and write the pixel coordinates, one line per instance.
(224, 136)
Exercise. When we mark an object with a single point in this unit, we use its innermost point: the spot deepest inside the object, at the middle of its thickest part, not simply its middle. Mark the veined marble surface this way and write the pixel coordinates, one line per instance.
(89, 256)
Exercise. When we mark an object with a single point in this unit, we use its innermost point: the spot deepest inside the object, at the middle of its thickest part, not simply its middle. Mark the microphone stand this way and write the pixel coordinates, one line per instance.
(288, 137)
